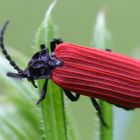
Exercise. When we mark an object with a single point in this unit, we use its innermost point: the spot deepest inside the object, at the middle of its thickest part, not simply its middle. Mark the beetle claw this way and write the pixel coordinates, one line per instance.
(32, 81)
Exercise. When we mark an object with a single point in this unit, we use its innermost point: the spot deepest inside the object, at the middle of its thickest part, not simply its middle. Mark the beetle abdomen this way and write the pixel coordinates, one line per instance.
(105, 75)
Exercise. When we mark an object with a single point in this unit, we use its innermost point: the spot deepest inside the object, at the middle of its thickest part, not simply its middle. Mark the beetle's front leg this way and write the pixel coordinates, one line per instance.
(43, 93)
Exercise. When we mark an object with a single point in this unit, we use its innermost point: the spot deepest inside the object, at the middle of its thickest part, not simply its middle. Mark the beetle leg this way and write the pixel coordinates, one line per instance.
(43, 94)
(55, 42)
(109, 50)
(71, 96)
(126, 108)
(98, 109)
(33, 82)
(42, 46)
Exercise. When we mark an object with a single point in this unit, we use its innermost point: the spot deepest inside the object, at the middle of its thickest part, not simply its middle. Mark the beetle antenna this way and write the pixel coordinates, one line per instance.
(4, 51)
(15, 75)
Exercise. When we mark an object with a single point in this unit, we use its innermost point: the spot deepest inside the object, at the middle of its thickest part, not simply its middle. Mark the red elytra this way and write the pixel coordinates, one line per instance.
(100, 74)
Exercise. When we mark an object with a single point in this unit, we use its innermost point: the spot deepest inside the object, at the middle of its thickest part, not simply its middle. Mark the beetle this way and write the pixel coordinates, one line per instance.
(98, 74)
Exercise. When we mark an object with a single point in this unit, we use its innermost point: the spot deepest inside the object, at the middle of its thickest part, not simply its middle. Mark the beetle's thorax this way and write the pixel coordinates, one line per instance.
(41, 65)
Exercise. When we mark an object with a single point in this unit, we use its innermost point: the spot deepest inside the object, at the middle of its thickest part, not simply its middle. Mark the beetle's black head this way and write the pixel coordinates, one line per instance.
(39, 67)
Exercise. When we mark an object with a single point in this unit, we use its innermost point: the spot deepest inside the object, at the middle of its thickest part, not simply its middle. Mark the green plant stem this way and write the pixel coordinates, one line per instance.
(53, 109)
(55, 120)
(53, 114)
(106, 133)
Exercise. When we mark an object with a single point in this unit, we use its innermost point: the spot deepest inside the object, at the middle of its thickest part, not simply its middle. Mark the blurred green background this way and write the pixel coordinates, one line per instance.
(75, 20)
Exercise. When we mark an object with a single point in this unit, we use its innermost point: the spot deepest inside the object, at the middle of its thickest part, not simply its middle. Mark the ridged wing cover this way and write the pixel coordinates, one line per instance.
(100, 74)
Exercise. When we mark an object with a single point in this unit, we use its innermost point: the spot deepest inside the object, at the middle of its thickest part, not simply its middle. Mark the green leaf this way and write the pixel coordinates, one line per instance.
(55, 121)
(101, 36)
(17, 109)
(20, 118)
